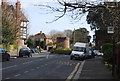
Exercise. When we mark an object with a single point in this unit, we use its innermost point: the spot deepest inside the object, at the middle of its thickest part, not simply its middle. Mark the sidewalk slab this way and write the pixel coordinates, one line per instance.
(95, 69)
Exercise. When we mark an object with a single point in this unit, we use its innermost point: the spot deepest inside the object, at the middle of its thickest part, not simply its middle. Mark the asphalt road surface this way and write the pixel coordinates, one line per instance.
(40, 66)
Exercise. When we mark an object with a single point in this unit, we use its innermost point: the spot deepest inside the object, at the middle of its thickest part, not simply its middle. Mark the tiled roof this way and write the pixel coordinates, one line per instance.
(19, 13)
(22, 16)
(46, 36)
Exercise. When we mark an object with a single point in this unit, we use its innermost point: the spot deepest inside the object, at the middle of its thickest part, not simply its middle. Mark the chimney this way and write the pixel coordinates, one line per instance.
(4, 2)
(40, 32)
(18, 5)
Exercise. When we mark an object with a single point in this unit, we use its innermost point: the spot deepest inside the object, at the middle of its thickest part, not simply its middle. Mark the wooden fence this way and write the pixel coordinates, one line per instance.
(117, 60)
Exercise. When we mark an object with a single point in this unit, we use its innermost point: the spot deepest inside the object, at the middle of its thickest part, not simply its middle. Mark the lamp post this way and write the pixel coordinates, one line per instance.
(111, 31)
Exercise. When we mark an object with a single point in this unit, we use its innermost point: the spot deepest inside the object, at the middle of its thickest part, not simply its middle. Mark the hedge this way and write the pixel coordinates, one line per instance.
(107, 49)
(65, 51)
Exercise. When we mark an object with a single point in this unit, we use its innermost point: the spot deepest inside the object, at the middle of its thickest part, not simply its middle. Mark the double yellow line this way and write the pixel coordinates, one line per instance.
(73, 72)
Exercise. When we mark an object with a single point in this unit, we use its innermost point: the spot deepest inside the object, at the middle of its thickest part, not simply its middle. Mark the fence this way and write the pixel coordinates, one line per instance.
(117, 60)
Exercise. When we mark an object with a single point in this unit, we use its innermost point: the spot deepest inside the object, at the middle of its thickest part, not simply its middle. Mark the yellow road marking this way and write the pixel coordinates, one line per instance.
(73, 72)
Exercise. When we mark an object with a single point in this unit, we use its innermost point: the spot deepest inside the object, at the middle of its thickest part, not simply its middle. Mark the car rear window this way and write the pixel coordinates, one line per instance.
(2, 50)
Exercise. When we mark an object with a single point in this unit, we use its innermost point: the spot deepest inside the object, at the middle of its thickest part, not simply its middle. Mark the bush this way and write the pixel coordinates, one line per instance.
(52, 50)
(107, 49)
(60, 50)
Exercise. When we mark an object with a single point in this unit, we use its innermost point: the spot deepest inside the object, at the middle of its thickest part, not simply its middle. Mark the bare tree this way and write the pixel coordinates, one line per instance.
(68, 33)
(100, 14)
(77, 7)
(55, 34)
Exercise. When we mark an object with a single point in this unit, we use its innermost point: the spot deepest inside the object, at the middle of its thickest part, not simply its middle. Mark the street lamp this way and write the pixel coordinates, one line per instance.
(111, 31)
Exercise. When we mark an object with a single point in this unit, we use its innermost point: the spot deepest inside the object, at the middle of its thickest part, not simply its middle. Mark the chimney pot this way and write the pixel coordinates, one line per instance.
(18, 5)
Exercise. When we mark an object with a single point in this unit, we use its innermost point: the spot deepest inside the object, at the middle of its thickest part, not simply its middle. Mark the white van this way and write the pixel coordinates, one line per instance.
(79, 51)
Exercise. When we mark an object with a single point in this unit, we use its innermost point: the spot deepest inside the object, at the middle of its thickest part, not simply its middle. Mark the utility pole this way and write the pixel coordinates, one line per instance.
(74, 36)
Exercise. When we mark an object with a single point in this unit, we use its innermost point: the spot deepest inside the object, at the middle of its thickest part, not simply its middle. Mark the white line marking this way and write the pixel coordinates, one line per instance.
(28, 62)
(47, 56)
(7, 78)
(32, 69)
(77, 75)
(8, 67)
(17, 75)
(26, 71)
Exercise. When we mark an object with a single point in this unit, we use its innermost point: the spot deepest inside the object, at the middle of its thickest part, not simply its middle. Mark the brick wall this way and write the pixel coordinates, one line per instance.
(63, 42)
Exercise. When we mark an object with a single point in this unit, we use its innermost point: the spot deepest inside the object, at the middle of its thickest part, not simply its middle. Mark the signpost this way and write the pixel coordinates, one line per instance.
(111, 31)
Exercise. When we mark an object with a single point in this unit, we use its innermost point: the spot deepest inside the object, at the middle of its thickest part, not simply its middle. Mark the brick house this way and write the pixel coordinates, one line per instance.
(43, 37)
(63, 42)
(20, 20)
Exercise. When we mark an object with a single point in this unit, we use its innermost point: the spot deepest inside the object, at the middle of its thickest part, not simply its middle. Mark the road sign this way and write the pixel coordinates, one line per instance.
(110, 30)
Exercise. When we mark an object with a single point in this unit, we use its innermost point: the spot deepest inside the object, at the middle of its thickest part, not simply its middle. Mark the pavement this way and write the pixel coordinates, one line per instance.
(95, 69)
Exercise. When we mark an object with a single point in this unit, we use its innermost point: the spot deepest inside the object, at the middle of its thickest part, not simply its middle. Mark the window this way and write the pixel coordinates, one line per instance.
(81, 49)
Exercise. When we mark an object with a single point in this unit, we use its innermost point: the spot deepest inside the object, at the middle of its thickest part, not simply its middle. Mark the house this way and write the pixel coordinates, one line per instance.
(20, 20)
(63, 42)
(44, 37)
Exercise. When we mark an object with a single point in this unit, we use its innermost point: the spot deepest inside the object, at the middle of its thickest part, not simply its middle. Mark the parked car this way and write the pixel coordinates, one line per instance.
(79, 51)
(4, 54)
(25, 52)
(90, 54)
(32, 50)
(35, 50)
(98, 53)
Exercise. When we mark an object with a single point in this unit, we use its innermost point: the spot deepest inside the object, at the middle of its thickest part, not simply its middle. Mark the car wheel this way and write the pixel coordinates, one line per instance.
(20, 56)
(8, 59)
(3, 60)
(71, 58)
(28, 55)
(82, 59)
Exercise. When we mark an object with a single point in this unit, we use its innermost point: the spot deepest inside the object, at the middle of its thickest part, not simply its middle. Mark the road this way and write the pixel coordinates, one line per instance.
(41, 66)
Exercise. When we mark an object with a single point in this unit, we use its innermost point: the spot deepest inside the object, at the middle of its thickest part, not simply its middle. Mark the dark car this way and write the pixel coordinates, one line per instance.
(90, 54)
(4, 55)
(35, 50)
(25, 52)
